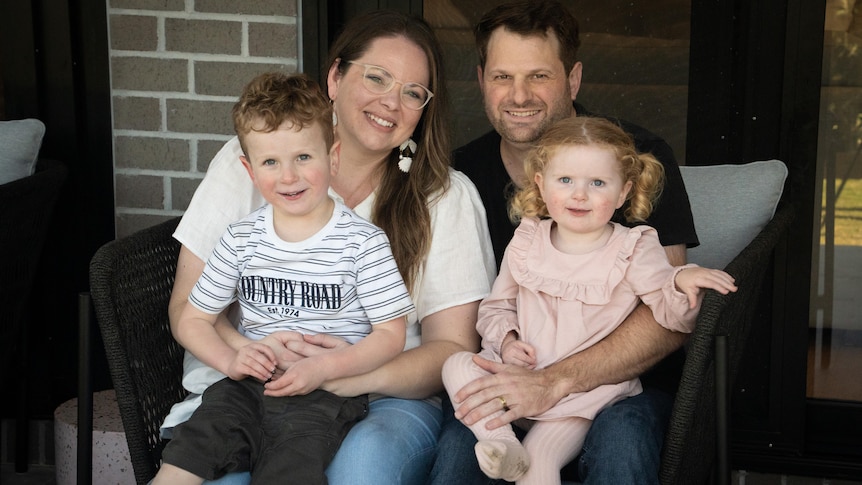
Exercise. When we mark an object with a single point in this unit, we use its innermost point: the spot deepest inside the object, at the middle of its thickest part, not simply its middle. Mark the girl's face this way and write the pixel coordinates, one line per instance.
(378, 122)
(582, 186)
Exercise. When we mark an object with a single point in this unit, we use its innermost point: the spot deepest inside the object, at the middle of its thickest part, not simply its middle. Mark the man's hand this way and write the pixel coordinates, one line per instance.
(255, 360)
(526, 393)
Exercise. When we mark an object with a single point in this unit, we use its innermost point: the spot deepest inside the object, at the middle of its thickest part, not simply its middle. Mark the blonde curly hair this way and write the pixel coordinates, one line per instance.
(642, 169)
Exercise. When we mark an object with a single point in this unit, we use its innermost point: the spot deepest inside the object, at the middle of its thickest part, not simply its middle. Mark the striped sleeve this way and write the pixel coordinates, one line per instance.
(216, 288)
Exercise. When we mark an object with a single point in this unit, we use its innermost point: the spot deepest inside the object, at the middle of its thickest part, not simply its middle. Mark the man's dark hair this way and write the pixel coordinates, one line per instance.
(531, 17)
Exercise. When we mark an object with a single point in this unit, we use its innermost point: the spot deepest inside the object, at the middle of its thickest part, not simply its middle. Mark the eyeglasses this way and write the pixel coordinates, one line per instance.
(378, 81)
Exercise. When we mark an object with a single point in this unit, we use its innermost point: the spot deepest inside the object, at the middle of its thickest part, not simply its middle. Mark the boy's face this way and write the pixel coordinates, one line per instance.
(292, 169)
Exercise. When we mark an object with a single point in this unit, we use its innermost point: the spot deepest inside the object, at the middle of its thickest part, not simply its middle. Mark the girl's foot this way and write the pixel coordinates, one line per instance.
(502, 459)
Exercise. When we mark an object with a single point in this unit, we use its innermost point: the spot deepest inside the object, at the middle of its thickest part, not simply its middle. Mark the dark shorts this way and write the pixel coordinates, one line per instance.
(278, 439)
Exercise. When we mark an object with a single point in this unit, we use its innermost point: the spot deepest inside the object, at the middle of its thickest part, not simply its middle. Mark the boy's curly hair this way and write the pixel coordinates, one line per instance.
(272, 98)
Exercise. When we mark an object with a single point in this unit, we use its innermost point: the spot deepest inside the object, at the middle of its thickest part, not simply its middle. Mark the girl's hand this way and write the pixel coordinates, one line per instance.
(517, 352)
(691, 280)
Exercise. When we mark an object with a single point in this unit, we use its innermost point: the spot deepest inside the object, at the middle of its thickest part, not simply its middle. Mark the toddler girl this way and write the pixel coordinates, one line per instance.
(569, 277)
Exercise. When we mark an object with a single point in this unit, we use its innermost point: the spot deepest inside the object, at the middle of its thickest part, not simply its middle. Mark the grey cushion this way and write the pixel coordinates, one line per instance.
(730, 205)
(20, 141)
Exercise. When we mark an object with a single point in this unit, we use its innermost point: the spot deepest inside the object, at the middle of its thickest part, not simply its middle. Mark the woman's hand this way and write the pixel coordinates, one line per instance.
(289, 379)
(311, 345)
(278, 342)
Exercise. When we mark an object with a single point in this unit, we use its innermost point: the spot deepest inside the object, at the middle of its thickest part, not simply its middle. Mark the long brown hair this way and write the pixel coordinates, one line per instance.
(401, 207)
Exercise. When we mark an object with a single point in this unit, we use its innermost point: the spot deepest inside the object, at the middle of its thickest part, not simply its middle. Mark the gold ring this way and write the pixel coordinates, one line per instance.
(503, 402)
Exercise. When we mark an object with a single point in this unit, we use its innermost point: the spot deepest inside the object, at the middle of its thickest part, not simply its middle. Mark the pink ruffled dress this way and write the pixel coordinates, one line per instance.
(562, 303)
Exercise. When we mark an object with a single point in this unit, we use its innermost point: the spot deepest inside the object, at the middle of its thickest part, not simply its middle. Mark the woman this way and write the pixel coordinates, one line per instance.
(385, 82)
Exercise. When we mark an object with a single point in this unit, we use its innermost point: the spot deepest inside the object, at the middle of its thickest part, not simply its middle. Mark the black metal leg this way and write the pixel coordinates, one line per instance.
(22, 414)
(85, 393)
(721, 412)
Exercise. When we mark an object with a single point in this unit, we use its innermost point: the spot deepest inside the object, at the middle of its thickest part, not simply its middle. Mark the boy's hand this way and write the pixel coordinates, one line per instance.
(253, 360)
(517, 352)
(691, 280)
(300, 378)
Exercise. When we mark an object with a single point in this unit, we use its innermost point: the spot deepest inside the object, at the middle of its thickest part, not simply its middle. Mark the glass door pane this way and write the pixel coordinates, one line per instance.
(835, 323)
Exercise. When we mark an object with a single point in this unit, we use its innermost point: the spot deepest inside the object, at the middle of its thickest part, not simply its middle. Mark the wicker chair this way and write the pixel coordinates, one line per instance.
(731, 205)
(130, 285)
(695, 446)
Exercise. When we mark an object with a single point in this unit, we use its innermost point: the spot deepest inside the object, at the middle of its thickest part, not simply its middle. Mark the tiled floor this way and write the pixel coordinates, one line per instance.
(44, 475)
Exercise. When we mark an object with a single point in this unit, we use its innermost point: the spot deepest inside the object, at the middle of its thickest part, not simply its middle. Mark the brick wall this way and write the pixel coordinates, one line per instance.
(177, 67)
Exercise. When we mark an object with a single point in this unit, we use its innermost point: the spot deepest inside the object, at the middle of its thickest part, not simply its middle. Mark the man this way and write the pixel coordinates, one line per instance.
(529, 76)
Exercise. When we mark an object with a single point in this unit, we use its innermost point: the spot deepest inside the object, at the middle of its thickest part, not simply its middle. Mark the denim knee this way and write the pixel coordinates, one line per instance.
(624, 443)
(396, 443)
(456, 458)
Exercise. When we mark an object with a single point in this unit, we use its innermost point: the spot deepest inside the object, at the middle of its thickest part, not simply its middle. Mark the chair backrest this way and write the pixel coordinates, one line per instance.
(730, 205)
(130, 284)
(26, 208)
(689, 454)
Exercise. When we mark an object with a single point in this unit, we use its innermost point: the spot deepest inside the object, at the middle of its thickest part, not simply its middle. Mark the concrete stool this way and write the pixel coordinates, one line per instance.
(111, 461)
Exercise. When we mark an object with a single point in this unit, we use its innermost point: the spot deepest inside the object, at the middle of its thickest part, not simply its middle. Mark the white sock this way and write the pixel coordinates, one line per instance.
(502, 459)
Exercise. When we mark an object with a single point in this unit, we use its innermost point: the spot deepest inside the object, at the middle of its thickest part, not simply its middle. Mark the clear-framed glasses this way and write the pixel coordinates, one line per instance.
(378, 81)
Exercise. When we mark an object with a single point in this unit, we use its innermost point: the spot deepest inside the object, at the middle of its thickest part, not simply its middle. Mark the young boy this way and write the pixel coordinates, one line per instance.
(302, 263)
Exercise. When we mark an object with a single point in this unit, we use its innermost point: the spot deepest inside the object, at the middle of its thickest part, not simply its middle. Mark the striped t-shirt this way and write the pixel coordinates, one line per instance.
(340, 281)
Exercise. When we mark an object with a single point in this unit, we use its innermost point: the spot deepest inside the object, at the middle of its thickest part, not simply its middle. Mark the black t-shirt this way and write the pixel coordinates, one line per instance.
(481, 161)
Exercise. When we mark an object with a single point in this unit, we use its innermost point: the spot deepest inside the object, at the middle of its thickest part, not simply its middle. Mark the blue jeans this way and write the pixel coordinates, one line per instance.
(456, 459)
(623, 446)
(395, 444)
(625, 440)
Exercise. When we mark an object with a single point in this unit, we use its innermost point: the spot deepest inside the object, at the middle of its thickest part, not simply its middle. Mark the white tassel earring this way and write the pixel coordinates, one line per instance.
(405, 155)
(334, 116)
